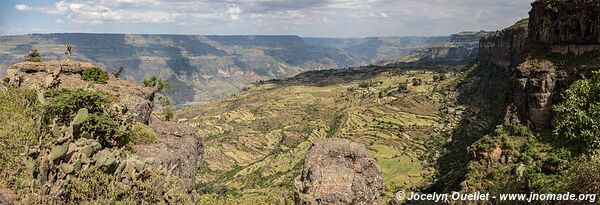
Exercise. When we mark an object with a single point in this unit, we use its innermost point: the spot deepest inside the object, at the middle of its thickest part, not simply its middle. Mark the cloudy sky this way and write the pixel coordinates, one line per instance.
(314, 18)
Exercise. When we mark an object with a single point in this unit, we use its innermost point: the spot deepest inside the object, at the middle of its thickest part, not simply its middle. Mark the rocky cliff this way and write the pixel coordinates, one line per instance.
(546, 53)
(463, 45)
(565, 26)
(505, 48)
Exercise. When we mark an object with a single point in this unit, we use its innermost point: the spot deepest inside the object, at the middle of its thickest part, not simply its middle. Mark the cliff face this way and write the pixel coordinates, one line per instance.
(566, 26)
(544, 53)
(463, 45)
(505, 48)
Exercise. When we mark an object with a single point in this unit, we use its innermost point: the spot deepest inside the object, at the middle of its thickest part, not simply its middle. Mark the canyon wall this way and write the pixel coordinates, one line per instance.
(545, 54)
(505, 48)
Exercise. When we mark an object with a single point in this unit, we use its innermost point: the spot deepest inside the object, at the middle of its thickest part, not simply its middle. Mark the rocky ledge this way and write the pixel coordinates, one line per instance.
(132, 99)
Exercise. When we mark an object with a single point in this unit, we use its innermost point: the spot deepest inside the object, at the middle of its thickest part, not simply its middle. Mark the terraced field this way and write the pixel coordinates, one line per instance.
(255, 140)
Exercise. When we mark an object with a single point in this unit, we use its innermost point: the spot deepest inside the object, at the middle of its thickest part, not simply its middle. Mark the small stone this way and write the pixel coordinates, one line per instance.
(49, 82)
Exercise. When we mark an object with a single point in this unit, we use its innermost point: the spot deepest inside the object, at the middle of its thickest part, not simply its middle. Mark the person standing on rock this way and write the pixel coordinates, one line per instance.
(69, 50)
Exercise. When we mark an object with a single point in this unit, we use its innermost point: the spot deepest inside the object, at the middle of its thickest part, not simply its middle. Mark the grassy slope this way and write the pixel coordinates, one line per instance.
(256, 140)
(18, 124)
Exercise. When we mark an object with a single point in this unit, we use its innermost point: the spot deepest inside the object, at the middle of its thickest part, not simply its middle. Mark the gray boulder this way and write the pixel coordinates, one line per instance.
(338, 171)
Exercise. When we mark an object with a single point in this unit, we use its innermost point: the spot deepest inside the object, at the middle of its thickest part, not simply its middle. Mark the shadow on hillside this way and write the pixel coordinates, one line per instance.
(321, 78)
(483, 94)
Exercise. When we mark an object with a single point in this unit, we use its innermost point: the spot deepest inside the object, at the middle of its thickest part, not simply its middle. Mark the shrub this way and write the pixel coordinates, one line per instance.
(119, 72)
(33, 56)
(96, 75)
(168, 113)
(403, 88)
(585, 177)
(104, 129)
(577, 118)
(439, 77)
(64, 104)
(141, 134)
(416, 82)
(95, 187)
(150, 81)
(368, 83)
(164, 88)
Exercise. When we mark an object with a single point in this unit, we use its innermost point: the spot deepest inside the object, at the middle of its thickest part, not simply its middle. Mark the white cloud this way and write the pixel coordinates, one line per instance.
(305, 17)
(23, 7)
(234, 12)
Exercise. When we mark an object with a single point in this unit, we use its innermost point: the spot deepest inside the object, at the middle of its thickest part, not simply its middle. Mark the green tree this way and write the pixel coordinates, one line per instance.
(33, 56)
(577, 118)
(164, 89)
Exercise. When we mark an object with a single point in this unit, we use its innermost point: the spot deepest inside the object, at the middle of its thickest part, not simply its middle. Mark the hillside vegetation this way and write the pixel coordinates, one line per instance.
(256, 139)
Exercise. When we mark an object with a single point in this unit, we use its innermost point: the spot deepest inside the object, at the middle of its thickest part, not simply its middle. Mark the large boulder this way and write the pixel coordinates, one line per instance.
(338, 171)
(179, 148)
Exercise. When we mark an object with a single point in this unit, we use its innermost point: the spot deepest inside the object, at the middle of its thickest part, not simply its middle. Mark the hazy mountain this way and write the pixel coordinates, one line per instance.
(375, 49)
(205, 68)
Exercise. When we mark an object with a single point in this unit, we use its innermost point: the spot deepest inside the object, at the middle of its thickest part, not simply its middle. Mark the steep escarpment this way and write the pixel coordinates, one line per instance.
(565, 27)
(546, 53)
(553, 65)
(206, 68)
(505, 48)
(90, 137)
(464, 45)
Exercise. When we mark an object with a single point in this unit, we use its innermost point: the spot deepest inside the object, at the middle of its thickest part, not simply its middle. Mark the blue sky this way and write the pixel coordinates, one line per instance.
(308, 18)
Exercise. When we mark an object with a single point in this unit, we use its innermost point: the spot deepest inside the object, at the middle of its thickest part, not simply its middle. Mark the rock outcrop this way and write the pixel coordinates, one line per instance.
(338, 171)
(177, 149)
(132, 100)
